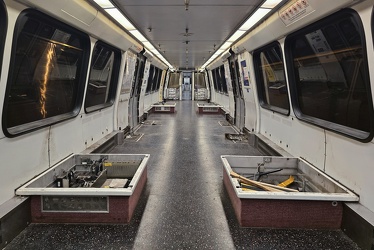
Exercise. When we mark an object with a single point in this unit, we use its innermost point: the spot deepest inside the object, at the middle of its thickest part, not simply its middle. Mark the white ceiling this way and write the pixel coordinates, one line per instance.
(209, 22)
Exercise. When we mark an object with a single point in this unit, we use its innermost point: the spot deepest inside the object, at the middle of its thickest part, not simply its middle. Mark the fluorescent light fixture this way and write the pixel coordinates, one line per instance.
(119, 17)
(148, 45)
(251, 21)
(271, 3)
(257, 16)
(225, 46)
(138, 35)
(104, 4)
(236, 35)
(218, 52)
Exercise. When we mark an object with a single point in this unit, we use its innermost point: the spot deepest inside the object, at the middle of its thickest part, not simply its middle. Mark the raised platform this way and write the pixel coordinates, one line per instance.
(168, 107)
(93, 188)
(318, 204)
(208, 108)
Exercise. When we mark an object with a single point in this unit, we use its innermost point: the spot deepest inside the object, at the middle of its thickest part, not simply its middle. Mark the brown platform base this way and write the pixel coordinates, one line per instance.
(163, 109)
(272, 213)
(121, 209)
(209, 110)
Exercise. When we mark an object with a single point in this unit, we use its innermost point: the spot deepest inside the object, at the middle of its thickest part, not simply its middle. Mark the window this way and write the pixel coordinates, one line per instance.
(47, 73)
(329, 75)
(102, 83)
(223, 79)
(158, 80)
(199, 81)
(155, 79)
(216, 80)
(270, 78)
(151, 76)
(174, 80)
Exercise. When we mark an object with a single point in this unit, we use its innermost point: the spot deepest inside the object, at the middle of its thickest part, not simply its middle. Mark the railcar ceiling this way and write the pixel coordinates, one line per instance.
(187, 32)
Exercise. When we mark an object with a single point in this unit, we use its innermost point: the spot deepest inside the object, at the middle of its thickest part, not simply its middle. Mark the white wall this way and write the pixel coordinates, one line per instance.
(344, 159)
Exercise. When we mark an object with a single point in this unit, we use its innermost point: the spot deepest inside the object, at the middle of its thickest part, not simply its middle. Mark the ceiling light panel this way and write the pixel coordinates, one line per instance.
(120, 18)
(271, 3)
(257, 16)
(138, 35)
(104, 4)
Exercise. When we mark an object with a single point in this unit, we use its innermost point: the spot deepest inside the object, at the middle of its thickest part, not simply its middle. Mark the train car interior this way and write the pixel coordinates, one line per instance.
(182, 124)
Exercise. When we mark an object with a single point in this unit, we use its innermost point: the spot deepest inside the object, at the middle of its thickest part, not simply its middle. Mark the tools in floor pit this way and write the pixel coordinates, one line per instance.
(287, 182)
(261, 185)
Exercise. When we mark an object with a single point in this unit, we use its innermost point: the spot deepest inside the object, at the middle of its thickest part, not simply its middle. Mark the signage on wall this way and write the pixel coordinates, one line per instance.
(295, 11)
(245, 73)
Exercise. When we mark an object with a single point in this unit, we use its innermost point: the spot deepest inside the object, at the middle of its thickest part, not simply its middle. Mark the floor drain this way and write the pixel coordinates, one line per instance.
(236, 137)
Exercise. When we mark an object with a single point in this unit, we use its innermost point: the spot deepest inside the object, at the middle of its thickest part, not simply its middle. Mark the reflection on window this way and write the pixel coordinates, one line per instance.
(151, 76)
(271, 82)
(199, 81)
(174, 80)
(331, 75)
(158, 80)
(45, 78)
(223, 79)
(215, 80)
(103, 77)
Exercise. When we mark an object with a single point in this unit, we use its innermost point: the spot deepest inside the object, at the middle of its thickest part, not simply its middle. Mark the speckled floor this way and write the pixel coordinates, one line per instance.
(184, 204)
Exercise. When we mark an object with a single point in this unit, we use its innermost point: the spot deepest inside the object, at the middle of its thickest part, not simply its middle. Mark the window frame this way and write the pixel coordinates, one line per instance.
(45, 122)
(356, 134)
(259, 80)
(113, 84)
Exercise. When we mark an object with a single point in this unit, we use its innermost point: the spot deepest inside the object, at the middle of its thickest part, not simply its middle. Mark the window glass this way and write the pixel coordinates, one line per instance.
(215, 80)
(223, 79)
(218, 80)
(271, 83)
(199, 81)
(102, 83)
(208, 79)
(151, 76)
(139, 78)
(329, 75)
(174, 80)
(47, 73)
(155, 79)
(234, 78)
(158, 79)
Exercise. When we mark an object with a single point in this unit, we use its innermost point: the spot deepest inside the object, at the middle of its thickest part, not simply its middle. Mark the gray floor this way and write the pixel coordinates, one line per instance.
(184, 204)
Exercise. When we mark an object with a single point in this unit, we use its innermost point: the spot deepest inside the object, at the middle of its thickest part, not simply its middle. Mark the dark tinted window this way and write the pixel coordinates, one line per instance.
(159, 78)
(329, 75)
(102, 83)
(218, 79)
(270, 78)
(155, 79)
(223, 79)
(47, 73)
(151, 77)
(215, 80)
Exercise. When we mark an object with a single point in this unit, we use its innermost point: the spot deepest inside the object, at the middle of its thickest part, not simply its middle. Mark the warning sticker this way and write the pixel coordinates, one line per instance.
(295, 11)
